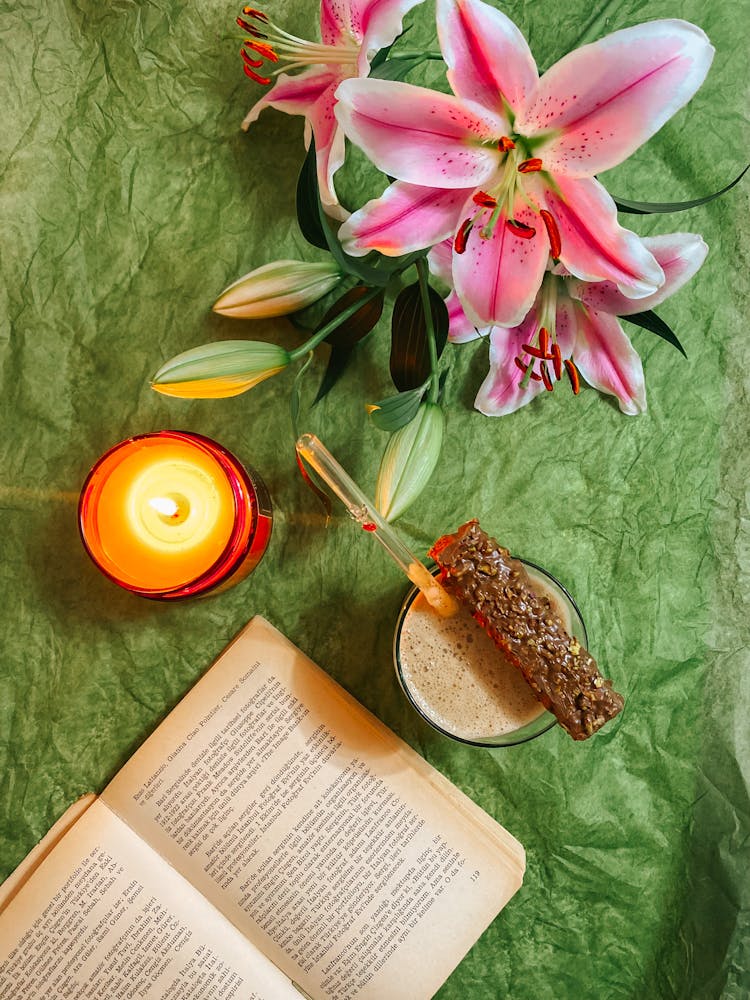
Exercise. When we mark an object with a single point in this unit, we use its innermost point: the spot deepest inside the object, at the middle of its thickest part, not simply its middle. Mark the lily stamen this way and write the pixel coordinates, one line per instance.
(540, 352)
(262, 49)
(575, 382)
(553, 233)
(557, 361)
(520, 229)
(462, 236)
(530, 166)
(505, 144)
(535, 352)
(545, 376)
(278, 45)
(262, 80)
(544, 342)
(484, 200)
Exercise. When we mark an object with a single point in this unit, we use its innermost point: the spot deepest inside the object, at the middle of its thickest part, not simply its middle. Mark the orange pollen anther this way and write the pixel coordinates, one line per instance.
(263, 80)
(256, 15)
(572, 371)
(553, 233)
(263, 49)
(459, 244)
(250, 62)
(545, 376)
(530, 166)
(520, 229)
(543, 340)
(250, 29)
(484, 200)
(534, 352)
(557, 360)
(505, 144)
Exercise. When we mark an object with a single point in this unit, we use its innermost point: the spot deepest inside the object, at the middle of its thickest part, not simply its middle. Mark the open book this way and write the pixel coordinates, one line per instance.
(271, 838)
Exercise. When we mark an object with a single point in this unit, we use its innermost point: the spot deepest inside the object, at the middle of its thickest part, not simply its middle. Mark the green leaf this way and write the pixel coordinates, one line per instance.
(655, 324)
(441, 384)
(396, 68)
(360, 323)
(308, 215)
(399, 410)
(381, 56)
(661, 207)
(345, 338)
(410, 357)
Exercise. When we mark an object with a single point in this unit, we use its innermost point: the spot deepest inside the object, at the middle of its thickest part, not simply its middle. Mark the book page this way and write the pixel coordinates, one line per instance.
(18, 878)
(348, 860)
(103, 917)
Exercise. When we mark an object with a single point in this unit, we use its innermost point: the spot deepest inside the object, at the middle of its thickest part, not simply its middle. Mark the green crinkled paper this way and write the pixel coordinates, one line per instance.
(129, 200)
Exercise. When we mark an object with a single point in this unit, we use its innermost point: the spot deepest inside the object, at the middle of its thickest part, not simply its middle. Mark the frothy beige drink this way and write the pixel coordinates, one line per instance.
(458, 677)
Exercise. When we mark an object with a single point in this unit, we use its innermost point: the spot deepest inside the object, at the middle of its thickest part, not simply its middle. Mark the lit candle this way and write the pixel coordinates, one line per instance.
(173, 514)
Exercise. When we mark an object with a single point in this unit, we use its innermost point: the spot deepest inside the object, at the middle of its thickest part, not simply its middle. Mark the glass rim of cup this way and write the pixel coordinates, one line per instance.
(515, 737)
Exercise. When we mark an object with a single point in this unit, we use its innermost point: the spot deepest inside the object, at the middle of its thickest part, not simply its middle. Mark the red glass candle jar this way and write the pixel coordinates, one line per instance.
(172, 515)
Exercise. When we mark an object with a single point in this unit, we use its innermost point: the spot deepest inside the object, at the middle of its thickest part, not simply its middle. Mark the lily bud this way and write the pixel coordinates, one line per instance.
(277, 289)
(409, 460)
(225, 368)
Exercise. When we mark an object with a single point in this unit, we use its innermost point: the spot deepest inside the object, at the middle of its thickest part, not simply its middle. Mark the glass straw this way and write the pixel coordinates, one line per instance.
(314, 452)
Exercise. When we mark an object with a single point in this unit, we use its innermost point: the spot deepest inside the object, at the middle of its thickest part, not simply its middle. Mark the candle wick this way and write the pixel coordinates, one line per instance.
(164, 506)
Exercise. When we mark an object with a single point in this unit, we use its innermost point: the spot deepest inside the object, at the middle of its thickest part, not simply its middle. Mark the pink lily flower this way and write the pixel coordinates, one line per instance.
(506, 166)
(572, 328)
(352, 32)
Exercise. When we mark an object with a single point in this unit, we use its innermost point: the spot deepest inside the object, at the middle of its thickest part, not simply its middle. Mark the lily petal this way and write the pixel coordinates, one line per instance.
(311, 94)
(460, 328)
(608, 361)
(488, 58)
(295, 95)
(335, 21)
(595, 246)
(604, 100)
(440, 259)
(419, 135)
(501, 391)
(497, 278)
(330, 149)
(376, 23)
(405, 217)
(680, 256)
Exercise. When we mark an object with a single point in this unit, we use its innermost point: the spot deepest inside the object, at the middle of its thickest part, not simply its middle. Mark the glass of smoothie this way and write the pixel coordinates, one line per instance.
(461, 683)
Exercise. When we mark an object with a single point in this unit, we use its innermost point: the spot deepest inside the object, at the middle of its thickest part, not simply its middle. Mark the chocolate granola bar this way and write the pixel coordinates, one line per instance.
(563, 675)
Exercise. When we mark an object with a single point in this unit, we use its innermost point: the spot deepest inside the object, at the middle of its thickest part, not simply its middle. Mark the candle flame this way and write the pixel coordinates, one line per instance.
(164, 506)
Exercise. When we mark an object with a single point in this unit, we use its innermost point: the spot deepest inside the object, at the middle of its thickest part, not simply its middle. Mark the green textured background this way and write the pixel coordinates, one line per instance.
(129, 199)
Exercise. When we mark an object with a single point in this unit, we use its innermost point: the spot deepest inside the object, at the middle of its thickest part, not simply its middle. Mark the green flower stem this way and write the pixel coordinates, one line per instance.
(342, 317)
(424, 291)
(408, 260)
